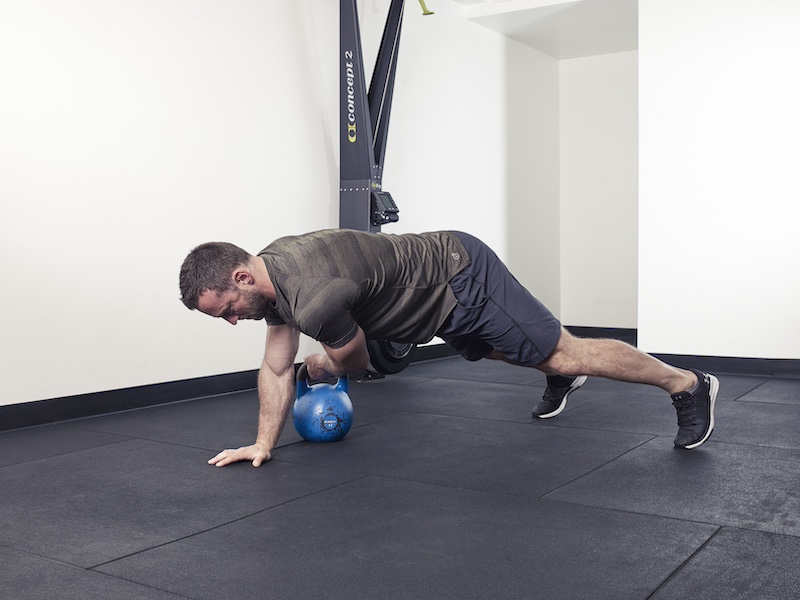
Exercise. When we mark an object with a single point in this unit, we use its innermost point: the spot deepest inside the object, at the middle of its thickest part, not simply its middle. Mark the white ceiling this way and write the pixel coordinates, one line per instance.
(561, 28)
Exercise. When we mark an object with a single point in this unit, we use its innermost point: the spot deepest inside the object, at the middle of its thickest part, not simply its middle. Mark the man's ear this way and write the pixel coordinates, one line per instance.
(242, 275)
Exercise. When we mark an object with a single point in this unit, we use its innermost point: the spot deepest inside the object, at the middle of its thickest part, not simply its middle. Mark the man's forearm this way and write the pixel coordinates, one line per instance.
(276, 392)
(341, 369)
(350, 359)
(275, 395)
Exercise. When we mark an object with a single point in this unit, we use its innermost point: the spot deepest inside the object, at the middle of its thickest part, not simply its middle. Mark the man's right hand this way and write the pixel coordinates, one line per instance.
(257, 453)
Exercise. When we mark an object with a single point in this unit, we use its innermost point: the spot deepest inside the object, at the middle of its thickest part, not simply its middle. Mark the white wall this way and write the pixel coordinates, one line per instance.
(132, 130)
(719, 200)
(599, 190)
(531, 176)
(473, 141)
(436, 153)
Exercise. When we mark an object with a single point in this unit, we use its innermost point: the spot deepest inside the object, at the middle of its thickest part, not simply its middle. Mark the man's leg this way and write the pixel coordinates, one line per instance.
(693, 393)
(613, 359)
(496, 317)
(559, 387)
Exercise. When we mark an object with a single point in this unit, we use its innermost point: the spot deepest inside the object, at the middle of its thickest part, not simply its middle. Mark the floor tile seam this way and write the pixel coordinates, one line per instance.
(466, 488)
(602, 429)
(765, 403)
(544, 498)
(542, 384)
(343, 469)
(140, 583)
(462, 488)
(685, 563)
(162, 441)
(438, 485)
(748, 445)
(226, 523)
(598, 467)
(127, 438)
(470, 380)
(195, 446)
(761, 531)
(49, 559)
(408, 411)
(70, 422)
(611, 396)
(525, 423)
(168, 443)
(88, 570)
(365, 474)
(395, 412)
(750, 391)
(719, 526)
(57, 455)
(665, 435)
(624, 511)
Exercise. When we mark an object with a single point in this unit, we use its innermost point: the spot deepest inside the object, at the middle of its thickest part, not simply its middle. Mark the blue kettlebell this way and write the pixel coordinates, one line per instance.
(322, 412)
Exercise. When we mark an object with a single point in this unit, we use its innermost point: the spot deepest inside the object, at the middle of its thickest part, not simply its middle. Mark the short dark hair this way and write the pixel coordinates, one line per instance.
(209, 267)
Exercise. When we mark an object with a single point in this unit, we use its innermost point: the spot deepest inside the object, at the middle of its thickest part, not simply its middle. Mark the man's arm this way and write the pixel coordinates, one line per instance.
(350, 359)
(276, 392)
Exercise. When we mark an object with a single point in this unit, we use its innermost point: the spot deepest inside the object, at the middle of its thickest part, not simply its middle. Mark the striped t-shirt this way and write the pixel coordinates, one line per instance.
(330, 282)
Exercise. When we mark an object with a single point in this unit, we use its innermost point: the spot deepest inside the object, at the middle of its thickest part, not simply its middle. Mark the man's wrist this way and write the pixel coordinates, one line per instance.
(263, 445)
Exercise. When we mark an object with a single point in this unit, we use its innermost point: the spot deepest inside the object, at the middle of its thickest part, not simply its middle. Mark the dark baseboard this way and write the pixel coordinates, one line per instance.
(28, 414)
(762, 367)
(628, 336)
(53, 410)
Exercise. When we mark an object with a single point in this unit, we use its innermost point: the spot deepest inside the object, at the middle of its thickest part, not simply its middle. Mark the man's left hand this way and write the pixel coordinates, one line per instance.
(350, 359)
(319, 367)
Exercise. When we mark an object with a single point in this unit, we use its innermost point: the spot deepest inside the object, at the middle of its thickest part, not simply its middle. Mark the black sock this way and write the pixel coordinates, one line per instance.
(559, 381)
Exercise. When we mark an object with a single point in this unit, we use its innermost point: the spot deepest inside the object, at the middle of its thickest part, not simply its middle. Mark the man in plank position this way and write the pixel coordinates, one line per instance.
(343, 287)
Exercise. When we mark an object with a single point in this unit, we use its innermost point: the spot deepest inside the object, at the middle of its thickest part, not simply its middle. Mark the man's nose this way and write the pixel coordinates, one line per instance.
(232, 320)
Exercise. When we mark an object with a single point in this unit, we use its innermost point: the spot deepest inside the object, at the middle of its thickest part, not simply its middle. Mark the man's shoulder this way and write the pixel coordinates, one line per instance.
(311, 238)
(331, 235)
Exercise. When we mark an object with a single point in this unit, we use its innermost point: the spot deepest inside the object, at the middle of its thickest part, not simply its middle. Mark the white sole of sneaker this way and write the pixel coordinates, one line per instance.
(575, 385)
(713, 388)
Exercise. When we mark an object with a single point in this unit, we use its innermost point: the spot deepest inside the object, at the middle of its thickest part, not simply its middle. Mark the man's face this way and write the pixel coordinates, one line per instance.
(233, 305)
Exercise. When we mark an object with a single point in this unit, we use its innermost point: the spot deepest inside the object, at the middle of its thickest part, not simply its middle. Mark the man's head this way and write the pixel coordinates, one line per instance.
(211, 267)
(220, 280)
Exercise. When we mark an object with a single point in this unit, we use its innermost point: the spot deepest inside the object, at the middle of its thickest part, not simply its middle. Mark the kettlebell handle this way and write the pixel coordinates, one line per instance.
(303, 383)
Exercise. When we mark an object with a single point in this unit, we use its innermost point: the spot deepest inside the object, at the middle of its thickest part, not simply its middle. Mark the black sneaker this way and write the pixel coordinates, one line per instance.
(555, 398)
(696, 412)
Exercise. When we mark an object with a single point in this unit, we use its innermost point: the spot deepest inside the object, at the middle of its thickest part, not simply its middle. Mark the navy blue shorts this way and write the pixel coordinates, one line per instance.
(494, 312)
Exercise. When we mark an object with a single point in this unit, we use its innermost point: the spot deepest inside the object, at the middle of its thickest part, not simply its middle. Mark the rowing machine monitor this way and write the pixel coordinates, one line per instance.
(384, 210)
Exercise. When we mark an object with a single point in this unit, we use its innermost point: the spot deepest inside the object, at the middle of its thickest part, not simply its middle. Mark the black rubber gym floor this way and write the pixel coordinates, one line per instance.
(444, 488)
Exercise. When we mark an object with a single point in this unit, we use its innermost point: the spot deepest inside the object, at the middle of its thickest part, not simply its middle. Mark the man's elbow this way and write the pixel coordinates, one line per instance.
(358, 366)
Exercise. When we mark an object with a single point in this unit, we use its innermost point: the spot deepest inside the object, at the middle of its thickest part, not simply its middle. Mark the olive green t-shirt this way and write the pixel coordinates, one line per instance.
(330, 282)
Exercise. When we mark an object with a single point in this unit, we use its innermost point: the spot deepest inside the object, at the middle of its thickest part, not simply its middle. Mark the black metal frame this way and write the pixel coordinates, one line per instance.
(364, 127)
(364, 122)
